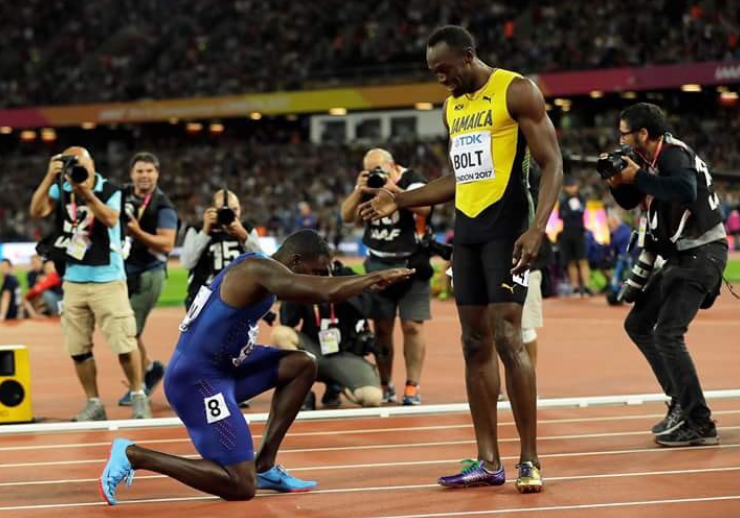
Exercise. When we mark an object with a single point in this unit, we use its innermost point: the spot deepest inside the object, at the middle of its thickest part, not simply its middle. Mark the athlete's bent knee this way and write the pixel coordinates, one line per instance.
(240, 490)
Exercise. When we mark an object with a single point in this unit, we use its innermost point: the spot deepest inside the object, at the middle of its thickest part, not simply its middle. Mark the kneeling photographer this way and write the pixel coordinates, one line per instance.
(339, 337)
(391, 243)
(683, 226)
(223, 237)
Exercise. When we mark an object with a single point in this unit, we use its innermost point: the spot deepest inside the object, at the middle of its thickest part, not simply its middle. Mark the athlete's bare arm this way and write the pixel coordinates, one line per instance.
(385, 203)
(527, 106)
(255, 278)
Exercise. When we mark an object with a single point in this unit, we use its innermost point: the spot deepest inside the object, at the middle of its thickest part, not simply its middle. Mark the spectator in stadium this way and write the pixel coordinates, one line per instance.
(10, 293)
(151, 224)
(212, 246)
(338, 336)
(572, 240)
(36, 269)
(46, 295)
(89, 235)
(392, 242)
(305, 220)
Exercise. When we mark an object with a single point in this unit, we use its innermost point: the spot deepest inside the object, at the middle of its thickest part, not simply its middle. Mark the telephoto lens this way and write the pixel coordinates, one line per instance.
(639, 276)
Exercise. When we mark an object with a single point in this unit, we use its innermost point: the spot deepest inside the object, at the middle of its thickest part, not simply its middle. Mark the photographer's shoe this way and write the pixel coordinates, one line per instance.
(673, 419)
(689, 434)
(310, 402)
(279, 479)
(411, 395)
(141, 408)
(474, 474)
(529, 479)
(153, 375)
(331, 397)
(389, 393)
(93, 411)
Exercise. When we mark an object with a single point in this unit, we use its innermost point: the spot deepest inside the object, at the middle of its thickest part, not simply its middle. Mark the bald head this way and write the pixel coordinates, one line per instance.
(378, 157)
(231, 201)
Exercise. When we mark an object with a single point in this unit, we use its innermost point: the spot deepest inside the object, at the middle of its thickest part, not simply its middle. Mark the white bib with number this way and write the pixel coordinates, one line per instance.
(78, 245)
(471, 157)
(216, 409)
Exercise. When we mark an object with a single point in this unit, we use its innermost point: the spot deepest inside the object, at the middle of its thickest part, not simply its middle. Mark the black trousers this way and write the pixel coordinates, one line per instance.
(662, 314)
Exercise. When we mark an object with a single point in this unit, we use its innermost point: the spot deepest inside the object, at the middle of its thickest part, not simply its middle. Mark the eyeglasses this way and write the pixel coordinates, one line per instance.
(625, 133)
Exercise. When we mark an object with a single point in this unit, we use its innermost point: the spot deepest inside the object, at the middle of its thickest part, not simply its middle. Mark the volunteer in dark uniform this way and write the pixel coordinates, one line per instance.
(572, 240)
(495, 119)
(392, 243)
(683, 226)
(209, 249)
(151, 224)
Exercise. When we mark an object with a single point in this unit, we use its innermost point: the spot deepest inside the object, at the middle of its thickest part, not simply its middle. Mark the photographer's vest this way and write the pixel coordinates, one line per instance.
(220, 252)
(146, 210)
(490, 158)
(395, 235)
(680, 227)
(78, 217)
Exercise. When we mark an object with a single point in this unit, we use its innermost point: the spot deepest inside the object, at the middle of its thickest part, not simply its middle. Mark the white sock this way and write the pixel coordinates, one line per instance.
(94, 399)
(139, 392)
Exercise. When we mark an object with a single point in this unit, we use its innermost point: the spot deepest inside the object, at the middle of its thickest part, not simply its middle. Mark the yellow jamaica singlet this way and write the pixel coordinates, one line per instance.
(490, 158)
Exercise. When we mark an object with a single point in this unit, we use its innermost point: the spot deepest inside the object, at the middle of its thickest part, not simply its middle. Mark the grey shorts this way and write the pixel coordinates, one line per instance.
(346, 369)
(414, 304)
(145, 299)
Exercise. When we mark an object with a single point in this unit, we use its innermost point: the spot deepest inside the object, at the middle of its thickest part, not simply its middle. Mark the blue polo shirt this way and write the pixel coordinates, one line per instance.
(114, 270)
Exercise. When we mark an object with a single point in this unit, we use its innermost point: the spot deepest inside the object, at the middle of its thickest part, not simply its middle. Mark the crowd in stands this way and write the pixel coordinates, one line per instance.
(118, 50)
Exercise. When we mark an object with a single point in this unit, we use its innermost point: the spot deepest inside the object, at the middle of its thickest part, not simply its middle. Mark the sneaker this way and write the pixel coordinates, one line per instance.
(474, 474)
(411, 395)
(389, 393)
(141, 408)
(331, 398)
(126, 399)
(689, 434)
(93, 411)
(153, 375)
(673, 419)
(117, 469)
(529, 479)
(310, 402)
(279, 479)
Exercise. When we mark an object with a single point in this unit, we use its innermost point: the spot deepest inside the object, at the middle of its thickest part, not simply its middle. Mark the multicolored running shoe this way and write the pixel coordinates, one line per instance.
(474, 474)
(529, 479)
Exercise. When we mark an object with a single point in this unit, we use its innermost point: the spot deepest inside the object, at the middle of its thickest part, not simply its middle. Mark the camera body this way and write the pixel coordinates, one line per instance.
(73, 169)
(431, 247)
(377, 178)
(610, 164)
(225, 216)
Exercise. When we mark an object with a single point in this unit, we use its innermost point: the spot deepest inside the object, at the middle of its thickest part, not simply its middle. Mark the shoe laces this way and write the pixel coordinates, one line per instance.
(282, 470)
(469, 465)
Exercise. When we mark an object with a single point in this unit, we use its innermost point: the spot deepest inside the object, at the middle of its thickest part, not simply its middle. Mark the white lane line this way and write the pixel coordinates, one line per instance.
(394, 464)
(383, 488)
(361, 431)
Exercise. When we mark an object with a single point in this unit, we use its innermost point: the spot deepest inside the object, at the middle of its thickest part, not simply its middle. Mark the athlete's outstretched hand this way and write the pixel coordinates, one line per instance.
(382, 205)
(526, 249)
(392, 276)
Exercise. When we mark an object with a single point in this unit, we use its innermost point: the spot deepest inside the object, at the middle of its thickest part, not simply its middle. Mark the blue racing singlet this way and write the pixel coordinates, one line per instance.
(218, 333)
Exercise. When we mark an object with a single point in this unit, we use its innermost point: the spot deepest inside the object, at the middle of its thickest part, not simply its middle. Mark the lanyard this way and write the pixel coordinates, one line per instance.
(144, 205)
(318, 316)
(657, 152)
(73, 215)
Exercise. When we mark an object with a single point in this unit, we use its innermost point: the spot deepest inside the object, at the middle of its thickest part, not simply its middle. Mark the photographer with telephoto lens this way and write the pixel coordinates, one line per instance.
(683, 226)
(339, 337)
(87, 244)
(392, 242)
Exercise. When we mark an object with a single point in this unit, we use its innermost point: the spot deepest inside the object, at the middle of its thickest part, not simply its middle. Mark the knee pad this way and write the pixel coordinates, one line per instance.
(82, 358)
(529, 335)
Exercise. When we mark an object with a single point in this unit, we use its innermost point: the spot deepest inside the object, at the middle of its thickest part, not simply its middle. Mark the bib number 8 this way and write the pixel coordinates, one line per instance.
(216, 409)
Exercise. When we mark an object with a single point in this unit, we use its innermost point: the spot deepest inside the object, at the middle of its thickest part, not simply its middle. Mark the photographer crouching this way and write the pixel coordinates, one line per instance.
(339, 337)
(86, 245)
(683, 226)
(151, 222)
(392, 242)
(223, 237)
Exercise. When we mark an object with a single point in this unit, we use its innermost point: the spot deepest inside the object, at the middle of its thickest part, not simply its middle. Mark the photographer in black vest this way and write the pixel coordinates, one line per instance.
(392, 242)
(223, 237)
(151, 223)
(339, 337)
(683, 226)
(87, 245)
